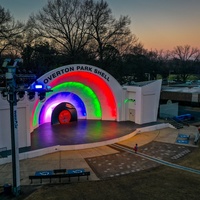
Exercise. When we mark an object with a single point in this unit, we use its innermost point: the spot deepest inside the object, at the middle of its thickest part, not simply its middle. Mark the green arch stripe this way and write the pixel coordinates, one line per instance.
(84, 92)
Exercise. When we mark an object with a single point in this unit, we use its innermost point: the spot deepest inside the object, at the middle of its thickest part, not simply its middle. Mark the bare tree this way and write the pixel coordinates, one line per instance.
(186, 53)
(163, 59)
(79, 25)
(10, 31)
(65, 22)
(106, 30)
(185, 58)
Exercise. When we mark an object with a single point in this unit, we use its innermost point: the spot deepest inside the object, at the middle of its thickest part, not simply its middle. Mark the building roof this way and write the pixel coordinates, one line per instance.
(181, 89)
(139, 84)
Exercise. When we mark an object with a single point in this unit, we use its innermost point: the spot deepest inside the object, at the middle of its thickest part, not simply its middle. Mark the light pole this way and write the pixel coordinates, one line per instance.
(11, 92)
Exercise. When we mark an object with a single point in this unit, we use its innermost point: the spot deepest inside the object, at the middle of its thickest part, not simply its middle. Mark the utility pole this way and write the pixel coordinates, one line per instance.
(13, 94)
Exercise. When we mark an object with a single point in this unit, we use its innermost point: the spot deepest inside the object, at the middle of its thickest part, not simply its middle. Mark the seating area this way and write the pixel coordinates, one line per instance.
(59, 174)
(183, 138)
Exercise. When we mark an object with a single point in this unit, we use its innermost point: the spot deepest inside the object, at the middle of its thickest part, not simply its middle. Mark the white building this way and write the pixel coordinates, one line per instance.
(93, 93)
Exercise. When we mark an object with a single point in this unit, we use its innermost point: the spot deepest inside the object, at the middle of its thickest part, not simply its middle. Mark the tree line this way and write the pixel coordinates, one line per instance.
(85, 31)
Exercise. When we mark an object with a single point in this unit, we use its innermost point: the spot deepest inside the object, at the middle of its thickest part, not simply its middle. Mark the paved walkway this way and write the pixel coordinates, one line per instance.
(158, 160)
(106, 161)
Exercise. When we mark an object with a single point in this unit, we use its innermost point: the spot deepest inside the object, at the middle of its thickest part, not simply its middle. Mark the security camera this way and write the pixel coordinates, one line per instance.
(11, 63)
(19, 60)
(6, 61)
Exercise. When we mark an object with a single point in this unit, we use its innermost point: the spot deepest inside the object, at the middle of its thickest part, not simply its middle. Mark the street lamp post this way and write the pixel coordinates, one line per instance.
(11, 92)
(12, 99)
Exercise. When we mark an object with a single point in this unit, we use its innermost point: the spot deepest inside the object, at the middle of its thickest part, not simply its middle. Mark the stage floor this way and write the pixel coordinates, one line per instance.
(80, 132)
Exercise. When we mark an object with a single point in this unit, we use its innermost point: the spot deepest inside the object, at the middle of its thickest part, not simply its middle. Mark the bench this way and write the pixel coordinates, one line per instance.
(184, 136)
(59, 176)
(58, 171)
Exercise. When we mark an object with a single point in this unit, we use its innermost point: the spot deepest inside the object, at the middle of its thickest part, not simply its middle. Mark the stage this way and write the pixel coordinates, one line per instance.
(79, 132)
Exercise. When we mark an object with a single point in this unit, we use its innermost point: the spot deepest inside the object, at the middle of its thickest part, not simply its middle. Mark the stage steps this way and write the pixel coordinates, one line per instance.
(174, 123)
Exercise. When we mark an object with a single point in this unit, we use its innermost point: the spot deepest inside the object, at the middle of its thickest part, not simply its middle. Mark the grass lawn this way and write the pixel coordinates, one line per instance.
(157, 183)
(161, 183)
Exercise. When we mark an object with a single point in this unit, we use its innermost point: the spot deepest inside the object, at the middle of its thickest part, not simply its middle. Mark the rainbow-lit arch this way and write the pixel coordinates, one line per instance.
(47, 109)
(42, 112)
(94, 90)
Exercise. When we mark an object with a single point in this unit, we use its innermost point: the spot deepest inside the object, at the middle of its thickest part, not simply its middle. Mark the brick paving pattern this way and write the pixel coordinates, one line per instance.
(122, 163)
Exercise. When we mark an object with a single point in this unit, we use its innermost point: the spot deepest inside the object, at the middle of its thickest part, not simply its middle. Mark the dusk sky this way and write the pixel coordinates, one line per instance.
(159, 24)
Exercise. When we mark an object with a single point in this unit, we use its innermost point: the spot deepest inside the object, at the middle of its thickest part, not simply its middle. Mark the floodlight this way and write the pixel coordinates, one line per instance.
(21, 95)
(37, 86)
(48, 88)
(4, 94)
(31, 96)
(42, 96)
